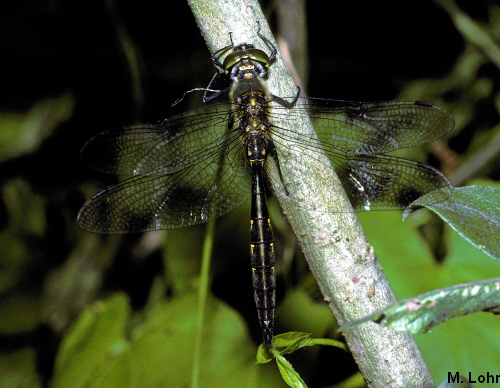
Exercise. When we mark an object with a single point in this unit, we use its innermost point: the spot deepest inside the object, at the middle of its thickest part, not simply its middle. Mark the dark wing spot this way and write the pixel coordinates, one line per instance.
(407, 196)
(423, 103)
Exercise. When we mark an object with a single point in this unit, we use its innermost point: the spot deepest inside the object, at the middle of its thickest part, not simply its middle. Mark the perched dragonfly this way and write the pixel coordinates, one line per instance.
(194, 167)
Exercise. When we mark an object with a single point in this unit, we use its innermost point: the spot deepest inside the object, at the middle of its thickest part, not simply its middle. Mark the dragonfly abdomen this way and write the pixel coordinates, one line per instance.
(262, 257)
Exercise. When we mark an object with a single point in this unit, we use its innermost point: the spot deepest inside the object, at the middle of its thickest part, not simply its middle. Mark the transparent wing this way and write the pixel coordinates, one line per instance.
(210, 186)
(369, 128)
(192, 196)
(352, 134)
(190, 168)
(161, 148)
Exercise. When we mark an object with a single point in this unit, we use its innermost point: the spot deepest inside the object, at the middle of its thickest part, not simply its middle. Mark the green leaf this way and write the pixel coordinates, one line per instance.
(302, 312)
(18, 369)
(25, 208)
(473, 211)
(289, 374)
(22, 133)
(420, 314)
(99, 351)
(97, 335)
(290, 342)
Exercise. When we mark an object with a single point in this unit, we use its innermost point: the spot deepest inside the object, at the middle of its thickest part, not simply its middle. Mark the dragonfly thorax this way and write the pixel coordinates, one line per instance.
(253, 122)
(242, 88)
(252, 113)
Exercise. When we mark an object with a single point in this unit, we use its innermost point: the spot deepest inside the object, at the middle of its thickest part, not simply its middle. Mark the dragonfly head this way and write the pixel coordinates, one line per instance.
(246, 62)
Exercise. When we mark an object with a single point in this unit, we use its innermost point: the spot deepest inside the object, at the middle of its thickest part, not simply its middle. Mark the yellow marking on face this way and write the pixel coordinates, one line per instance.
(263, 152)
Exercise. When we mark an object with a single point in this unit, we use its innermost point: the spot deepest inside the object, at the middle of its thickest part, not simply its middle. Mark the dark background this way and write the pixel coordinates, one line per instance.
(363, 50)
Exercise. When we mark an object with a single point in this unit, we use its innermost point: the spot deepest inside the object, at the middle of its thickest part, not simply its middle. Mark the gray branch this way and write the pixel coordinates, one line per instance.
(339, 256)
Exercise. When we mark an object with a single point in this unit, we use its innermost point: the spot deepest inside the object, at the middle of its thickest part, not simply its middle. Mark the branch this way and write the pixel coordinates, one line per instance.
(339, 256)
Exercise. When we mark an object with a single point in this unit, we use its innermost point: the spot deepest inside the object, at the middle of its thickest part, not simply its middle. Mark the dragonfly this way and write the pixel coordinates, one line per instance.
(197, 166)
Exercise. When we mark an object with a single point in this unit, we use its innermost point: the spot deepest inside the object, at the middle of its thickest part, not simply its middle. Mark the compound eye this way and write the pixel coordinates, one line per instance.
(258, 55)
(247, 52)
(232, 59)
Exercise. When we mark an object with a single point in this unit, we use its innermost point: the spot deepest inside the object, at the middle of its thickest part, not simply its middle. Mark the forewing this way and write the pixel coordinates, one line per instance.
(161, 148)
(369, 128)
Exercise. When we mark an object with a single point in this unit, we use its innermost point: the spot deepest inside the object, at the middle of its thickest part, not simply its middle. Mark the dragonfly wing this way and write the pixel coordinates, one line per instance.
(370, 128)
(372, 182)
(352, 134)
(380, 182)
(161, 148)
(194, 195)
